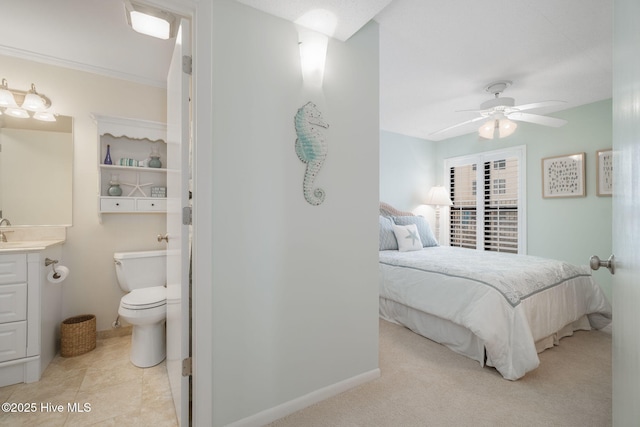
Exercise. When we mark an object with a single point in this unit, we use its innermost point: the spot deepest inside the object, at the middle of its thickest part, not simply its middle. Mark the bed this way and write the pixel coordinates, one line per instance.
(499, 309)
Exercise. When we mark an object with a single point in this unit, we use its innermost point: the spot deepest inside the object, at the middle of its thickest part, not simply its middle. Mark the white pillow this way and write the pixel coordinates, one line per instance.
(407, 237)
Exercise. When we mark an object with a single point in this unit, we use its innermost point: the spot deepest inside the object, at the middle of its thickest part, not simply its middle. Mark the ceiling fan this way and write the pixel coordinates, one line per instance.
(500, 113)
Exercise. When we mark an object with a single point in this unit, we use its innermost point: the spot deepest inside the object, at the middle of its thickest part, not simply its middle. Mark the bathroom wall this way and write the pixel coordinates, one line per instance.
(91, 286)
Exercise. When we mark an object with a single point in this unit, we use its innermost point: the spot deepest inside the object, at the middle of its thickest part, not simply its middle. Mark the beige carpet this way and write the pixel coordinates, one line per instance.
(426, 384)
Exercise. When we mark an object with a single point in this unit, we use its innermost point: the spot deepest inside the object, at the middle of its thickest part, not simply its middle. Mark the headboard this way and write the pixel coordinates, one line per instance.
(388, 210)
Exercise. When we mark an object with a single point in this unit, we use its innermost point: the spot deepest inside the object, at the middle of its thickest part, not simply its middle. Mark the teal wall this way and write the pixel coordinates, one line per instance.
(407, 167)
(570, 229)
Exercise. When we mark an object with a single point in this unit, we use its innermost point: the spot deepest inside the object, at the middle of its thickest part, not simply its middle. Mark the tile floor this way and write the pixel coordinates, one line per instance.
(119, 394)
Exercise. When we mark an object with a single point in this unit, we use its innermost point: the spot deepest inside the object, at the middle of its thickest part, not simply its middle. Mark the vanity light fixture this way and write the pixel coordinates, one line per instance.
(150, 21)
(32, 101)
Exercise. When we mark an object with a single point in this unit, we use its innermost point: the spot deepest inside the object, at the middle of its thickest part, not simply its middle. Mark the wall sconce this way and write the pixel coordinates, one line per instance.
(438, 197)
(499, 126)
(150, 21)
(31, 101)
(313, 55)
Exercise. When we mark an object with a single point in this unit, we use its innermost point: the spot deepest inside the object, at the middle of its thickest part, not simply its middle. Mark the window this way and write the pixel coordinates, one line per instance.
(487, 191)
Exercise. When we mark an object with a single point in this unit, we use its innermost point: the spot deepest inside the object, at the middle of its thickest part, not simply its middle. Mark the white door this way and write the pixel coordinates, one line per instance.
(178, 254)
(626, 214)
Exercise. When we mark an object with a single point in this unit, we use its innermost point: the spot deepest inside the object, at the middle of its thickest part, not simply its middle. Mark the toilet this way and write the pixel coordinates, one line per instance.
(143, 275)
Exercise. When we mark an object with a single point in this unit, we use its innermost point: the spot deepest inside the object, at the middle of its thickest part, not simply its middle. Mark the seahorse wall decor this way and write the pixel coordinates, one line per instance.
(311, 148)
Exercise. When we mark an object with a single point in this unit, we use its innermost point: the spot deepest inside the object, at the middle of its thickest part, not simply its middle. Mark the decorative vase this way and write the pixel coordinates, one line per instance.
(154, 157)
(114, 186)
(107, 159)
(115, 190)
(155, 162)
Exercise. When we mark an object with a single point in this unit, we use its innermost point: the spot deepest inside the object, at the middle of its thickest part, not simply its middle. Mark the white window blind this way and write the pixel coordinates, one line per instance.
(487, 191)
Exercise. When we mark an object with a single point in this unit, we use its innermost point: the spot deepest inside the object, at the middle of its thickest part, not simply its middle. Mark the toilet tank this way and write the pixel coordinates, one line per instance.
(143, 269)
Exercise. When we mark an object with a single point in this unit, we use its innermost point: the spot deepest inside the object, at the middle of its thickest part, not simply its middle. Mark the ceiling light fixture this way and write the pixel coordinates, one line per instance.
(31, 101)
(497, 126)
(150, 21)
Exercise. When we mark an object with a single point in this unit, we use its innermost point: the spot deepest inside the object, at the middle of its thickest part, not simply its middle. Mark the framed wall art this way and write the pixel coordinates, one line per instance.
(604, 172)
(563, 176)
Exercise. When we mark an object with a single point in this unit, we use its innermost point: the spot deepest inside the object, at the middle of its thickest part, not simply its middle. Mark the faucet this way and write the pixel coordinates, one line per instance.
(4, 221)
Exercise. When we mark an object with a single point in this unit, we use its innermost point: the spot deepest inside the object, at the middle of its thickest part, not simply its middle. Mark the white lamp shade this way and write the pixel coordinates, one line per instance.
(498, 126)
(313, 55)
(487, 129)
(438, 196)
(7, 99)
(17, 112)
(506, 127)
(34, 102)
(45, 116)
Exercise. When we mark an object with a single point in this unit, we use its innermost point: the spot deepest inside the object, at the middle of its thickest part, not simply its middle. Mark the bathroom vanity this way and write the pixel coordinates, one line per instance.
(30, 306)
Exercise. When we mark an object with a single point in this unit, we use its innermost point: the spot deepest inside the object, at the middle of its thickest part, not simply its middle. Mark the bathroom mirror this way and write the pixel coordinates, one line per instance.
(36, 170)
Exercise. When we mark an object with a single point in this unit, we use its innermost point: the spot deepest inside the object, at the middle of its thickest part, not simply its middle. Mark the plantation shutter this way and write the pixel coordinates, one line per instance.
(501, 205)
(463, 227)
(488, 192)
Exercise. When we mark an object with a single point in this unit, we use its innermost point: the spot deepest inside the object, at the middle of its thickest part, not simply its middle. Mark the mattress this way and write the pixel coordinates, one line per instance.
(500, 309)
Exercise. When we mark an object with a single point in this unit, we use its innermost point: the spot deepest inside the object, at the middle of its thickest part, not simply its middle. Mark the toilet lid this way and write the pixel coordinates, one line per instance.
(145, 296)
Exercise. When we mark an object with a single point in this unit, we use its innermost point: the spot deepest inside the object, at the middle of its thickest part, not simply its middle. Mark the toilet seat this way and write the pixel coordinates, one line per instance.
(145, 298)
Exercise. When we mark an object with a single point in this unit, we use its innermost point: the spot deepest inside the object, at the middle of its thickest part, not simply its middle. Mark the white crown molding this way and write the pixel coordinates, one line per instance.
(50, 60)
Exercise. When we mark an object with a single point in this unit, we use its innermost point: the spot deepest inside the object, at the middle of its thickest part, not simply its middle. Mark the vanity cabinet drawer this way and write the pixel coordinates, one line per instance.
(13, 268)
(13, 340)
(117, 205)
(152, 204)
(13, 302)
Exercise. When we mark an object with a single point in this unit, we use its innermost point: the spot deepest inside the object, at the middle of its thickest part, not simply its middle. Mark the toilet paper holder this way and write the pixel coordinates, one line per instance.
(52, 262)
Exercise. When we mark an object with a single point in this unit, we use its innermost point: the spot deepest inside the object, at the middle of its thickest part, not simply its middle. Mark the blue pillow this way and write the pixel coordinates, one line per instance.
(424, 230)
(387, 237)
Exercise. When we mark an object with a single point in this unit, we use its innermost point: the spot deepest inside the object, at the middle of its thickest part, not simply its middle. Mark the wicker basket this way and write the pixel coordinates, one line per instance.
(78, 335)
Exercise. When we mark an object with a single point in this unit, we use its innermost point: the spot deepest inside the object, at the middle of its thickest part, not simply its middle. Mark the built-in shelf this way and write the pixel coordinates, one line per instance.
(135, 140)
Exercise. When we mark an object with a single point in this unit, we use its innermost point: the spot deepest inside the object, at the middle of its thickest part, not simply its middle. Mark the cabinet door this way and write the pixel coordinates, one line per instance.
(13, 340)
(13, 268)
(13, 302)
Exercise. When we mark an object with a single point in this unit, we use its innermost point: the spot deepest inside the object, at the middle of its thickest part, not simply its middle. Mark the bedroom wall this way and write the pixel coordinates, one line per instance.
(406, 172)
(294, 292)
(88, 252)
(570, 229)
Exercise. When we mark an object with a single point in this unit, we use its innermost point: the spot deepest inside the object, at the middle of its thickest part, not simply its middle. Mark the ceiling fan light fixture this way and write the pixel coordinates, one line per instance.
(499, 127)
(487, 129)
(506, 127)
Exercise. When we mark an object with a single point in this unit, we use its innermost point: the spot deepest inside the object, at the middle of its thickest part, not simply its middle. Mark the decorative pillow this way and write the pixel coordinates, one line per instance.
(426, 235)
(407, 237)
(387, 238)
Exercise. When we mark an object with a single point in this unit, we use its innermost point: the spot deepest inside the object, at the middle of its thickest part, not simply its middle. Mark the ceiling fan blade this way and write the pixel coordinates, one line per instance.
(457, 125)
(537, 119)
(540, 104)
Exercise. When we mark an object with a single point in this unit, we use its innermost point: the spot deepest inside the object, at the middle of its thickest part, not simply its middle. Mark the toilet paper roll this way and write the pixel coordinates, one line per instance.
(62, 271)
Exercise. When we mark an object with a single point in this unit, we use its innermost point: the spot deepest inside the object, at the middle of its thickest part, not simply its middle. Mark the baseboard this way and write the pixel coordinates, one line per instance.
(112, 333)
(269, 415)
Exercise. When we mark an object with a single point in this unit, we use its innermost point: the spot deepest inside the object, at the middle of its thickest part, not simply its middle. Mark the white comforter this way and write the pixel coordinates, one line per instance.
(508, 301)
